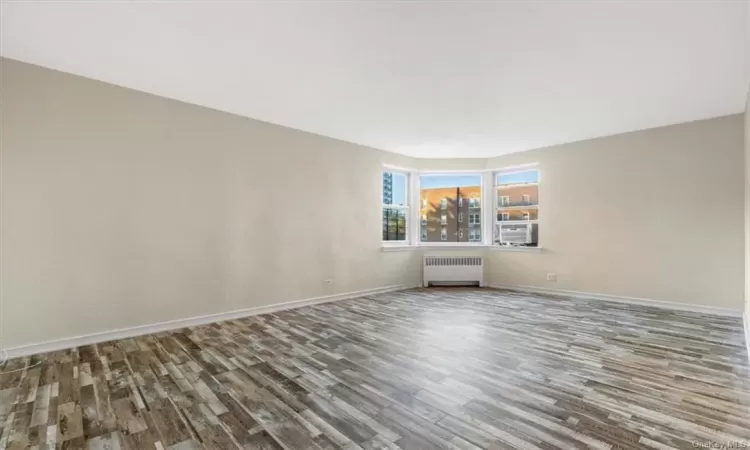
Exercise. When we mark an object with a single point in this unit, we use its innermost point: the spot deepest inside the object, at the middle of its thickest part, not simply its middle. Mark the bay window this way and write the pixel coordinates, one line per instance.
(446, 208)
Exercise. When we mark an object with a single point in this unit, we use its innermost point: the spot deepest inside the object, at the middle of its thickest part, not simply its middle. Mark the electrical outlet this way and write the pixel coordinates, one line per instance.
(551, 276)
(328, 281)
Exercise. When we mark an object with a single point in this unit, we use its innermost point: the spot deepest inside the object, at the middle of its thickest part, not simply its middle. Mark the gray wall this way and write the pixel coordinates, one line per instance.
(747, 219)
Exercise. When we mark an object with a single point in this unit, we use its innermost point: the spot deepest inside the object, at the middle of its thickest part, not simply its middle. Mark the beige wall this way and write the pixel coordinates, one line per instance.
(120, 208)
(654, 214)
(747, 217)
(451, 164)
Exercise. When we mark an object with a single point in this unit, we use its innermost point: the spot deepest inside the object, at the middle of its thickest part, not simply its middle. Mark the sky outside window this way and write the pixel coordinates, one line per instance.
(398, 189)
(445, 181)
(531, 176)
(432, 182)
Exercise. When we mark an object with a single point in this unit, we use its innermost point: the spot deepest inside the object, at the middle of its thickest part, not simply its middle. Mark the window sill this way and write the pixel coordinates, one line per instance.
(448, 246)
(437, 246)
(505, 248)
(398, 247)
(433, 246)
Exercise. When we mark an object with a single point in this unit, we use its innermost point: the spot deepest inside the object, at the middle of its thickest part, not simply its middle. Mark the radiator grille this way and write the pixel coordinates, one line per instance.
(452, 261)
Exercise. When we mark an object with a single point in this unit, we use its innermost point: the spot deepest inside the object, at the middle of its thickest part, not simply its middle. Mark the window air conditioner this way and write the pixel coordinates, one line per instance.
(517, 234)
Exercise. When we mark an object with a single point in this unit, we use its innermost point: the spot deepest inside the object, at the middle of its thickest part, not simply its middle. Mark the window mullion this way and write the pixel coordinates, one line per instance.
(414, 220)
(488, 207)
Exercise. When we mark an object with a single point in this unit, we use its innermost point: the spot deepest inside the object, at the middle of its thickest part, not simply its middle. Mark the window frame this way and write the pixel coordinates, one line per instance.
(488, 207)
(484, 198)
(499, 208)
(406, 208)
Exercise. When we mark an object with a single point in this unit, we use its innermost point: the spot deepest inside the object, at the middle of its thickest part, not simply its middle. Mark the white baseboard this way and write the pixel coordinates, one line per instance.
(122, 333)
(620, 299)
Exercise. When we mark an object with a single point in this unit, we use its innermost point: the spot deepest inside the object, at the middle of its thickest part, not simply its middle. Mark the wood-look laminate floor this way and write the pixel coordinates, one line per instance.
(419, 369)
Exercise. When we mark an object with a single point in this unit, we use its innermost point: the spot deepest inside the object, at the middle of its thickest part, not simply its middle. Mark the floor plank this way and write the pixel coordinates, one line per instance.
(438, 368)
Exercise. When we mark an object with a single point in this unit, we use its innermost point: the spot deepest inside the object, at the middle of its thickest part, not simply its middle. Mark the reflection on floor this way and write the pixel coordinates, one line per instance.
(453, 368)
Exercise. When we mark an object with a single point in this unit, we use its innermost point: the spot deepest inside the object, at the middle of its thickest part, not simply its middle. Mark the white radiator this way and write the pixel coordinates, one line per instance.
(453, 270)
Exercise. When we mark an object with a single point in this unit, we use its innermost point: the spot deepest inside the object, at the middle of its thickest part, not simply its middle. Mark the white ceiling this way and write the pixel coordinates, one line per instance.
(423, 78)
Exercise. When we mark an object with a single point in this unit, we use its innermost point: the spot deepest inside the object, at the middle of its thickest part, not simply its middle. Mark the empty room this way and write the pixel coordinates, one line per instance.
(374, 224)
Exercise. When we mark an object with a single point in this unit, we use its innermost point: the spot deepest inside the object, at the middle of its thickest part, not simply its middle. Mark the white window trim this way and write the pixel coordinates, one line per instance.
(409, 212)
(519, 222)
(487, 222)
(510, 171)
(485, 198)
(518, 207)
(508, 248)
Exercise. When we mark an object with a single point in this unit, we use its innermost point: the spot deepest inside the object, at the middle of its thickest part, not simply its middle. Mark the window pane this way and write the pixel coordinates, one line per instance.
(517, 208)
(446, 202)
(518, 189)
(394, 188)
(518, 214)
(394, 224)
(529, 176)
